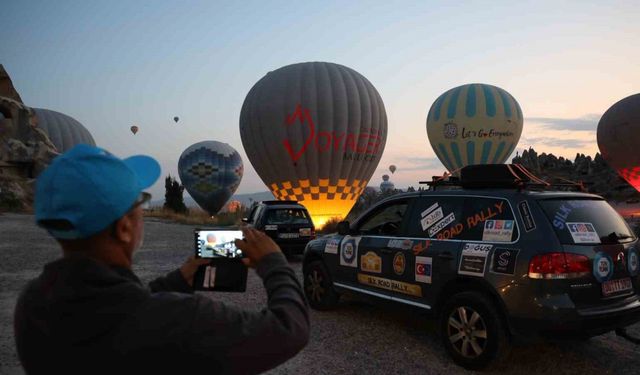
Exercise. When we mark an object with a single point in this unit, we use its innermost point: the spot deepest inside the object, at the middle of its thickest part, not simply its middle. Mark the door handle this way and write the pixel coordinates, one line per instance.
(445, 256)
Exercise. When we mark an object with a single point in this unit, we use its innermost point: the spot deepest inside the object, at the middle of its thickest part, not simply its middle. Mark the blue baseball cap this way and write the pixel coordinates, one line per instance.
(87, 188)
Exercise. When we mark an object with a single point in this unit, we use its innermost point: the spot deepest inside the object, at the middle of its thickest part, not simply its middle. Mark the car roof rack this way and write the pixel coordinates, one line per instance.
(274, 202)
(505, 176)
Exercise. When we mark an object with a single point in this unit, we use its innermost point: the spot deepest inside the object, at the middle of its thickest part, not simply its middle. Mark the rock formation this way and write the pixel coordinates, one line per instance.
(25, 150)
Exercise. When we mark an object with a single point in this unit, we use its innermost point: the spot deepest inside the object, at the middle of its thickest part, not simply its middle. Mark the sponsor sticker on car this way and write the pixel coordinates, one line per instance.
(431, 218)
(349, 252)
(405, 244)
(423, 269)
(527, 218)
(392, 285)
(632, 262)
(583, 233)
(399, 263)
(440, 225)
(371, 262)
(474, 259)
(331, 246)
(271, 227)
(602, 267)
(504, 261)
(497, 231)
(305, 232)
(288, 235)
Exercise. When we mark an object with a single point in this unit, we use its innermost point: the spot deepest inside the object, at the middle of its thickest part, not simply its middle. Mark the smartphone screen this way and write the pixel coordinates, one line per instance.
(217, 243)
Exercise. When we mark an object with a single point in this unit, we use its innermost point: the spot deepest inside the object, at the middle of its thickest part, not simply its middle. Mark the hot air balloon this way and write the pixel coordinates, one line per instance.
(619, 138)
(315, 133)
(474, 124)
(64, 131)
(211, 172)
(176, 119)
(386, 185)
(392, 169)
(134, 129)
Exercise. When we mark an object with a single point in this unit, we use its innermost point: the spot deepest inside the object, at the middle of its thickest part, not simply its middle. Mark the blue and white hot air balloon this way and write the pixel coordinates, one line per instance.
(211, 172)
(474, 124)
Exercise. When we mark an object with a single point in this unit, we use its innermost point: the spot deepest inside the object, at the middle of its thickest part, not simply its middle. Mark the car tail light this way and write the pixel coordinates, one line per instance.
(559, 266)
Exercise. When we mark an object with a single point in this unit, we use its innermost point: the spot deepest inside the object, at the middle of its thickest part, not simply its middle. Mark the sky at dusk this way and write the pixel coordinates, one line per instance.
(113, 64)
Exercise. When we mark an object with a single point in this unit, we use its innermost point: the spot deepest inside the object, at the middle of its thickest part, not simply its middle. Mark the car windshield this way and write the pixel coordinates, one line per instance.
(287, 216)
(586, 221)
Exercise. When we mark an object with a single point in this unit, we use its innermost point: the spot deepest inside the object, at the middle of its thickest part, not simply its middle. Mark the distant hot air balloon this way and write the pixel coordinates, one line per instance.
(211, 172)
(134, 129)
(474, 124)
(315, 133)
(619, 138)
(176, 119)
(386, 185)
(392, 168)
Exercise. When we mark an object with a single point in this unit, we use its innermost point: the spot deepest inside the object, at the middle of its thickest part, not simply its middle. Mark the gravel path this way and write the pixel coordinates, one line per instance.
(357, 338)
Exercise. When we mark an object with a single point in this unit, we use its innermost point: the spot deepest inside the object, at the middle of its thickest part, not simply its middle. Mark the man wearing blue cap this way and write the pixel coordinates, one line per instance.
(87, 312)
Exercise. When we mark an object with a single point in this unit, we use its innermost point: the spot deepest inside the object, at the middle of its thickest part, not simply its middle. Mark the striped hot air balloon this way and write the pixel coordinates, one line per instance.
(474, 124)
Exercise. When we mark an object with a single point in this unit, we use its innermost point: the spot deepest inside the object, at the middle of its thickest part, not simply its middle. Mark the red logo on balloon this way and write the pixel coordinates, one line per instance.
(303, 116)
(363, 142)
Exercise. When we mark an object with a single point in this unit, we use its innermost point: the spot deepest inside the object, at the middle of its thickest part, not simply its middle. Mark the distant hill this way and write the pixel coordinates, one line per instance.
(245, 199)
(594, 173)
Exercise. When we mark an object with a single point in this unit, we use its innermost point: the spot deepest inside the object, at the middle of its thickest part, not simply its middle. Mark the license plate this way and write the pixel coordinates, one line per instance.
(616, 286)
(288, 235)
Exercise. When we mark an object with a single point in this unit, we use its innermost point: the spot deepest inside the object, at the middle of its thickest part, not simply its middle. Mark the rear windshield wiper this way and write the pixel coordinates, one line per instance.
(616, 237)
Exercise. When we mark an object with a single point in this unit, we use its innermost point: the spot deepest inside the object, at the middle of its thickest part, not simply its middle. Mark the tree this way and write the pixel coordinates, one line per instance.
(173, 199)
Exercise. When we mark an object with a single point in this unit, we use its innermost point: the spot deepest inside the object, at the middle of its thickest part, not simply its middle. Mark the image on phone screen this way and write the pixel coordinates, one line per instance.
(217, 243)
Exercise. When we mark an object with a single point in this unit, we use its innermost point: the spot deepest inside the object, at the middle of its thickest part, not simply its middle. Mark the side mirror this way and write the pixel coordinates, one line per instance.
(344, 228)
(245, 220)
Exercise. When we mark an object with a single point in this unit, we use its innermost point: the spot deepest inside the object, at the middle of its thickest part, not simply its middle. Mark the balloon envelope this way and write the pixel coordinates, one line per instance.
(392, 168)
(64, 131)
(474, 124)
(619, 138)
(176, 119)
(211, 172)
(134, 129)
(315, 133)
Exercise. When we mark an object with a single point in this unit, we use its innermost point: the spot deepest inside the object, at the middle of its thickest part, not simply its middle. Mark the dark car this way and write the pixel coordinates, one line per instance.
(287, 222)
(490, 263)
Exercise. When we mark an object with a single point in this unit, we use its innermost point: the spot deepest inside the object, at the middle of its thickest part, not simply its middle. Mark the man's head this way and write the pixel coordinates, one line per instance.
(89, 200)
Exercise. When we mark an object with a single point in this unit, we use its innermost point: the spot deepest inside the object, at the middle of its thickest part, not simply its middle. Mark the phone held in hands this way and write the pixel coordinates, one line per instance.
(225, 271)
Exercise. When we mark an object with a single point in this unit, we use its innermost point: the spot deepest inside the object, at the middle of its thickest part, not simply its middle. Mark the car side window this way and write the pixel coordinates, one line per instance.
(256, 215)
(488, 219)
(436, 217)
(385, 220)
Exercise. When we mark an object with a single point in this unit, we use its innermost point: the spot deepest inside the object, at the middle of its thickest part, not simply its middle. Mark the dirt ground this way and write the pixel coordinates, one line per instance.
(358, 338)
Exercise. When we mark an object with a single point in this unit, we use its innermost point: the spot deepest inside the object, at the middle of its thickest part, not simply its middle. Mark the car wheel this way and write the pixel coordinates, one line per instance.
(471, 330)
(318, 286)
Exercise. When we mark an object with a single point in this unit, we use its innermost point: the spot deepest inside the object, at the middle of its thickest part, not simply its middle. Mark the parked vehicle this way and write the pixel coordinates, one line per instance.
(494, 256)
(287, 222)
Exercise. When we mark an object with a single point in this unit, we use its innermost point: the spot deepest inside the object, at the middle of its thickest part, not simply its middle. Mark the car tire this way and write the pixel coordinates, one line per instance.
(318, 287)
(472, 331)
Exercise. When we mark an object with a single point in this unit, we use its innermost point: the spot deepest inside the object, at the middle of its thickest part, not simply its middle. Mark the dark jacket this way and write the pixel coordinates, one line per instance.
(82, 316)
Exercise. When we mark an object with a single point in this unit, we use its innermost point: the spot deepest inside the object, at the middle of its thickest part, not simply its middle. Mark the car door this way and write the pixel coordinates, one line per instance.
(364, 261)
(434, 224)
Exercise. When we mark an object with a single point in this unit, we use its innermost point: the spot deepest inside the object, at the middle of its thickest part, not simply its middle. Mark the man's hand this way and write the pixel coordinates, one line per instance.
(256, 244)
(189, 268)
